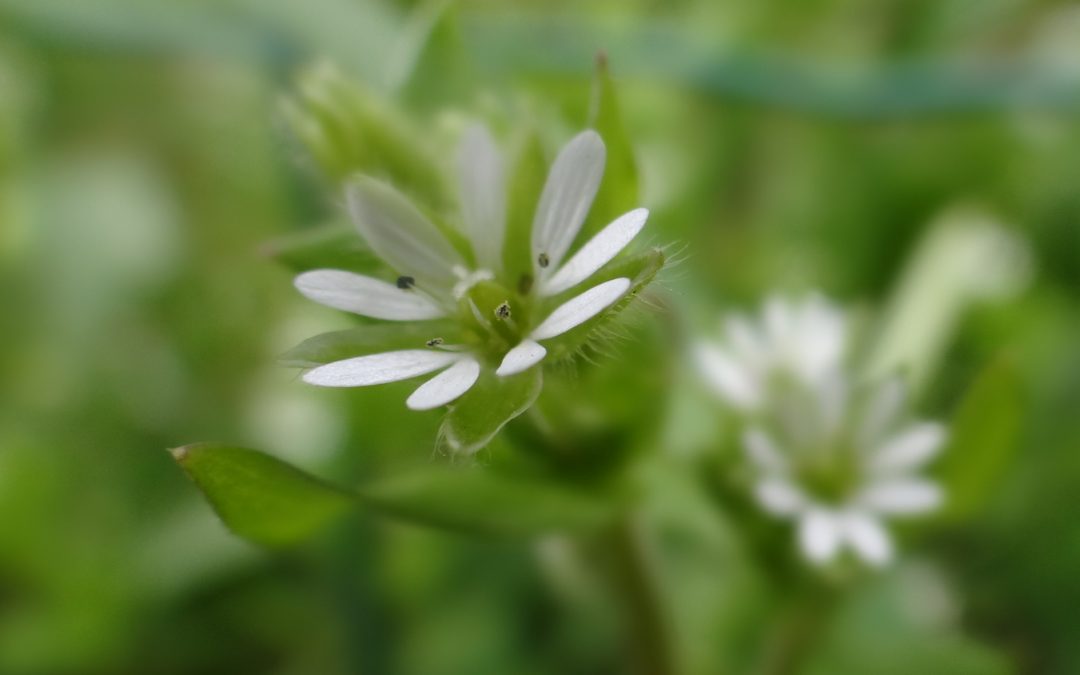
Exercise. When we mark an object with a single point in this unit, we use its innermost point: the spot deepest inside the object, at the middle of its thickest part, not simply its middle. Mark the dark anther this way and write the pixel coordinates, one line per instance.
(544, 260)
(405, 283)
(434, 342)
(525, 284)
(503, 310)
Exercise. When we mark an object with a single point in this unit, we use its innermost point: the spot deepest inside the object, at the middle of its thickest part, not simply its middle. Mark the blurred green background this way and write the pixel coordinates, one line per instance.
(144, 163)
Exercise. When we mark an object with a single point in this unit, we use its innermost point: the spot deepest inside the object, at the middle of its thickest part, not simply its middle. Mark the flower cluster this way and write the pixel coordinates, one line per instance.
(501, 317)
(833, 455)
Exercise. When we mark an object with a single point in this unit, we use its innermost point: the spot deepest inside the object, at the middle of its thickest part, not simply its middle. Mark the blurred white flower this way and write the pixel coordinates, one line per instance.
(804, 341)
(834, 463)
(436, 278)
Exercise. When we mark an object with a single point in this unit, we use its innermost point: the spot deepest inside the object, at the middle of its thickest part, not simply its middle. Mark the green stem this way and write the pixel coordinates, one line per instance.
(798, 632)
(648, 631)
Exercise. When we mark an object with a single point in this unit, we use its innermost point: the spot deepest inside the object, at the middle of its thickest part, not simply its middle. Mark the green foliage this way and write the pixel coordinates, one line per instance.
(367, 339)
(334, 246)
(259, 497)
(272, 502)
(984, 440)
(476, 417)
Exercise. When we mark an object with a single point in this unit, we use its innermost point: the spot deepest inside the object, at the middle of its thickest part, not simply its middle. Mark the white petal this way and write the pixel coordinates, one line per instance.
(763, 451)
(362, 371)
(522, 357)
(909, 449)
(819, 535)
(580, 308)
(597, 252)
(446, 386)
(746, 340)
(867, 537)
(365, 296)
(819, 332)
(571, 186)
(400, 234)
(779, 497)
(483, 195)
(728, 377)
(902, 496)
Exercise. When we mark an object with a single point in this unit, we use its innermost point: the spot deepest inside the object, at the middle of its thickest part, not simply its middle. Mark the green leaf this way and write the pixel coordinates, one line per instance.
(618, 191)
(368, 339)
(273, 503)
(492, 402)
(640, 269)
(259, 497)
(525, 184)
(335, 246)
(480, 501)
(983, 441)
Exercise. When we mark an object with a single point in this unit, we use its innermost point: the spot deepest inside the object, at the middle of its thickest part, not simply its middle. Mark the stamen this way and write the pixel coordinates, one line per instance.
(525, 284)
(503, 310)
(543, 260)
(405, 282)
(434, 342)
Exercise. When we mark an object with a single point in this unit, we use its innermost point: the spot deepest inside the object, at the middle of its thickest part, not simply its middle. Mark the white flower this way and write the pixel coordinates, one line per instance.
(840, 477)
(437, 279)
(804, 341)
(833, 463)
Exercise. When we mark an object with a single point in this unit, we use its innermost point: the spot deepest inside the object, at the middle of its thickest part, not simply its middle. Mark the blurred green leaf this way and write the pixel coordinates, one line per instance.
(368, 339)
(492, 402)
(350, 130)
(259, 497)
(984, 439)
(618, 191)
(336, 246)
(268, 501)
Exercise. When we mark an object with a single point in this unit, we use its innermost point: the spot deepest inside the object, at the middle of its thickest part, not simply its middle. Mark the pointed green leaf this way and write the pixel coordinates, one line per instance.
(368, 339)
(259, 497)
(492, 402)
(273, 503)
(619, 189)
(335, 246)
(983, 440)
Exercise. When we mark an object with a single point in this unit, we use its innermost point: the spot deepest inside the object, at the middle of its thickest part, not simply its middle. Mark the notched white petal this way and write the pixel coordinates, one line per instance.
(867, 537)
(483, 195)
(580, 308)
(521, 358)
(362, 371)
(909, 449)
(365, 296)
(902, 496)
(446, 386)
(597, 252)
(399, 233)
(568, 193)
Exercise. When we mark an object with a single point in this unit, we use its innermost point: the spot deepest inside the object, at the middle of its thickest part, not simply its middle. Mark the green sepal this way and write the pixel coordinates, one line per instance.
(369, 339)
(983, 440)
(259, 497)
(526, 182)
(271, 502)
(476, 417)
(640, 269)
(335, 246)
(618, 191)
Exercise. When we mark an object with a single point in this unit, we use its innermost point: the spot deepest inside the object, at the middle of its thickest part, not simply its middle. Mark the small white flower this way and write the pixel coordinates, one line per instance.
(837, 465)
(838, 479)
(436, 278)
(804, 341)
